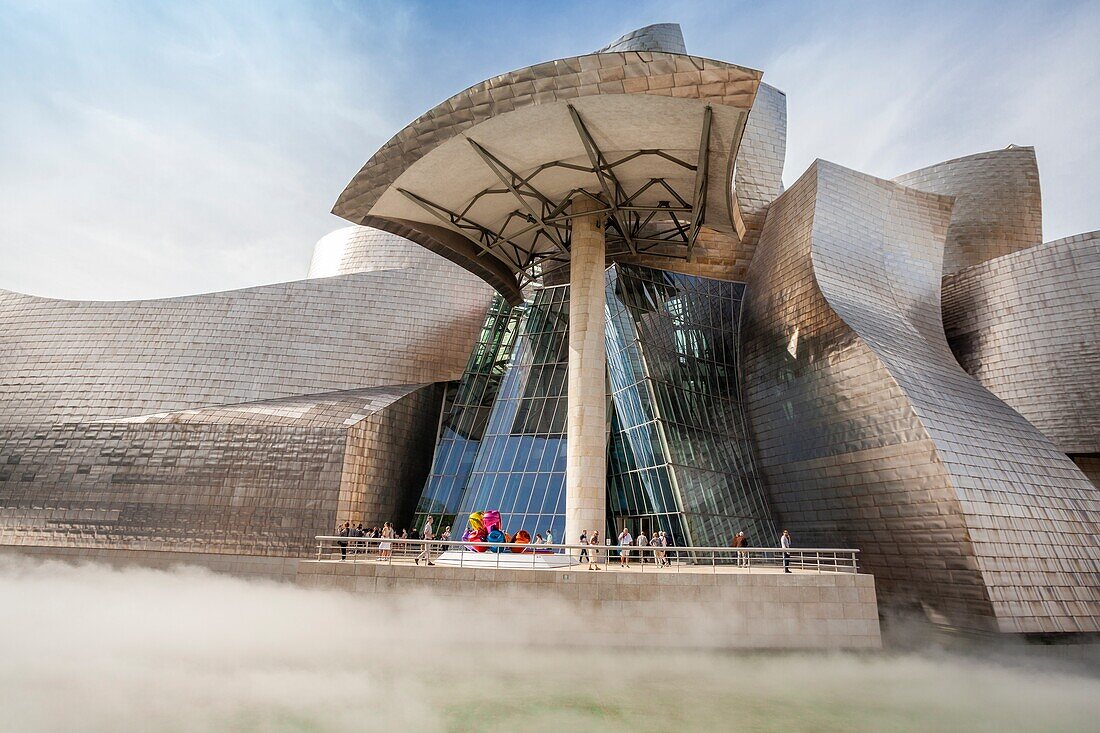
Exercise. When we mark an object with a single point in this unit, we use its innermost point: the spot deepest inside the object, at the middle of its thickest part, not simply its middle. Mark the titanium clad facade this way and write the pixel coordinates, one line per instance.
(363, 249)
(257, 479)
(758, 178)
(245, 421)
(998, 206)
(1090, 466)
(67, 361)
(1027, 326)
(641, 78)
(871, 435)
(772, 356)
(665, 37)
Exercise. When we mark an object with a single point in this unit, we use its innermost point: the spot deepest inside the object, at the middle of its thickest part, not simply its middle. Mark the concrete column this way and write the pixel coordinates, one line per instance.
(586, 453)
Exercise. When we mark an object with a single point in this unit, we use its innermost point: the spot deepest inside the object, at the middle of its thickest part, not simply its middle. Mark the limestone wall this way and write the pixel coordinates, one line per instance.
(764, 610)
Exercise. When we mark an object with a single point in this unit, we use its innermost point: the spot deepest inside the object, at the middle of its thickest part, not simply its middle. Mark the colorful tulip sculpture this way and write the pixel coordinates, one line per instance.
(476, 532)
(521, 538)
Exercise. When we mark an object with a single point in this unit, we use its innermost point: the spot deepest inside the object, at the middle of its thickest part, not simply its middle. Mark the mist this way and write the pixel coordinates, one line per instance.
(95, 648)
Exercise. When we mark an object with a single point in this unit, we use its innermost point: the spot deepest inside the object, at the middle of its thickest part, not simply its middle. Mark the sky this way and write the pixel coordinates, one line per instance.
(152, 149)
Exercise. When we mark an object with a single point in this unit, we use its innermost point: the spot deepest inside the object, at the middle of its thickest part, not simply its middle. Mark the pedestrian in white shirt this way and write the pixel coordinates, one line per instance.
(785, 543)
(426, 549)
(625, 540)
(593, 552)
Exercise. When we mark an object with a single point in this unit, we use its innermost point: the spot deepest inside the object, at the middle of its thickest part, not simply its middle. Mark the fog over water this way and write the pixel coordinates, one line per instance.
(91, 648)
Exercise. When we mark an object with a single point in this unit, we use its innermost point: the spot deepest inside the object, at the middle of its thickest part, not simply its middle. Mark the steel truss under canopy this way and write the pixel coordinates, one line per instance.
(635, 223)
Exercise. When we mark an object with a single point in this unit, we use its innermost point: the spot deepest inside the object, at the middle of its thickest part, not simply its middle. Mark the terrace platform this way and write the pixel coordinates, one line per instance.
(683, 606)
(721, 607)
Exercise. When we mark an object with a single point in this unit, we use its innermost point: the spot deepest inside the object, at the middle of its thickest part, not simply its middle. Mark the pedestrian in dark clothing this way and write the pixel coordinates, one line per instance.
(356, 533)
(740, 542)
(344, 531)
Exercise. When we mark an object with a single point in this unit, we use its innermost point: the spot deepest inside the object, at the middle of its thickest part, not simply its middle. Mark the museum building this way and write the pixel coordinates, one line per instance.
(578, 293)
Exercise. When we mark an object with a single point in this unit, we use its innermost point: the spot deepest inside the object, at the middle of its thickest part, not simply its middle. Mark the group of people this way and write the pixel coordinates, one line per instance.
(659, 541)
(388, 537)
(741, 544)
(648, 546)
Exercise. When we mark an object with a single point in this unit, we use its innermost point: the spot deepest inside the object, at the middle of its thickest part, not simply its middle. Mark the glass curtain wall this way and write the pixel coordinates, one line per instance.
(520, 468)
(465, 416)
(681, 461)
(679, 457)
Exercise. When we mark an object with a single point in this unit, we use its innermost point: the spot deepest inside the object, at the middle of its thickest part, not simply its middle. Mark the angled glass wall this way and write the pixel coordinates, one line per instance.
(465, 415)
(681, 461)
(520, 468)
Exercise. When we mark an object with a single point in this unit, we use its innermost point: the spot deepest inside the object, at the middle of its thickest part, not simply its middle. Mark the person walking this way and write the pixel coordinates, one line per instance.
(426, 534)
(785, 543)
(625, 541)
(740, 542)
(594, 553)
(584, 550)
(642, 542)
(343, 531)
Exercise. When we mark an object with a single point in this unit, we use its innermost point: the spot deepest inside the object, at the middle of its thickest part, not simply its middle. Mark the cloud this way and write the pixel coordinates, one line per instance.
(149, 150)
(154, 151)
(91, 648)
(887, 88)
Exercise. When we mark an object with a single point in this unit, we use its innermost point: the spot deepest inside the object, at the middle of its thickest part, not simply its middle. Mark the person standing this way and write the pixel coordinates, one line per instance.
(739, 543)
(344, 531)
(642, 542)
(385, 547)
(426, 534)
(625, 540)
(584, 550)
(356, 544)
(785, 543)
(549, 537)
(594, 553)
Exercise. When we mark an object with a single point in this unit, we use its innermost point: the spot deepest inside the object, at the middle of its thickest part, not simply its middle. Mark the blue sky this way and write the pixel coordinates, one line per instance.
(151, 149)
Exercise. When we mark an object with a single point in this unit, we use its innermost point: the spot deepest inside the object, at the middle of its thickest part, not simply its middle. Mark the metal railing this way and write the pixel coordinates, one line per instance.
(556, 556)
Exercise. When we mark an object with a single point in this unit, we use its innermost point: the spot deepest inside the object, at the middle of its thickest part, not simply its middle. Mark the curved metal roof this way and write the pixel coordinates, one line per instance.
(485, 178)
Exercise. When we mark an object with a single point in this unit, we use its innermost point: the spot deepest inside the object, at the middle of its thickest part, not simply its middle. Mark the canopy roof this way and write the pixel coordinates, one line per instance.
(486, 178)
